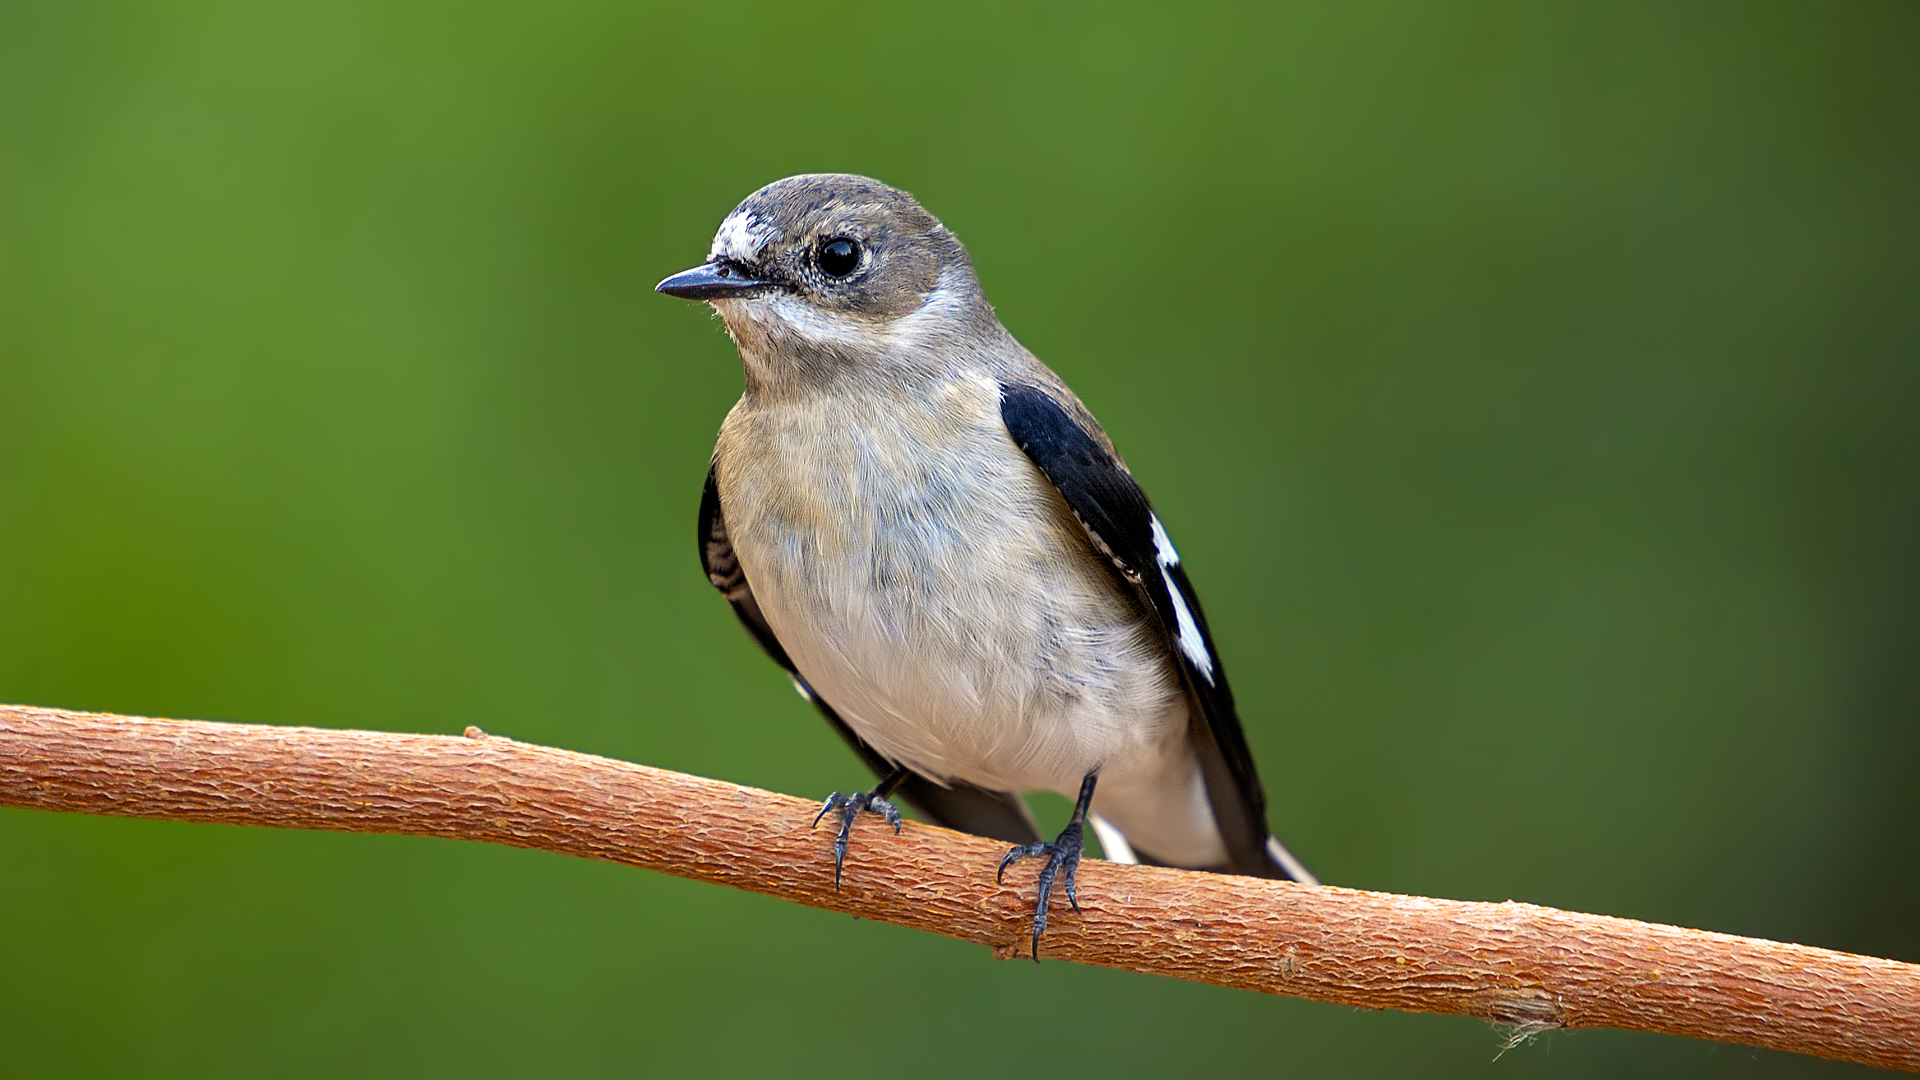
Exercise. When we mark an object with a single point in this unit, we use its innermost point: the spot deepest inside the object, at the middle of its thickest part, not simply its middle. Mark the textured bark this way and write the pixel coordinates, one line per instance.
(1517, 964)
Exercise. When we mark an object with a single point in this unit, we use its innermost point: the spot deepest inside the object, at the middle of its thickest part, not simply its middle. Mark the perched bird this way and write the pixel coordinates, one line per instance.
(920, 522)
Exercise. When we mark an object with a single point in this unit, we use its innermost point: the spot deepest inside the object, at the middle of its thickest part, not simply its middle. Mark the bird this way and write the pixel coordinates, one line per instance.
(920, 522)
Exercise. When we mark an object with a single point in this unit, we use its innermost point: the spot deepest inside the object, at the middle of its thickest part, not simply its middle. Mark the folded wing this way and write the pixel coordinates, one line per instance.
(1109, 504)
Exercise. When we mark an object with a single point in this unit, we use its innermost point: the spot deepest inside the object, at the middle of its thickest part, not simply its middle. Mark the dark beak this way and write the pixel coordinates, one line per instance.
(721, 279)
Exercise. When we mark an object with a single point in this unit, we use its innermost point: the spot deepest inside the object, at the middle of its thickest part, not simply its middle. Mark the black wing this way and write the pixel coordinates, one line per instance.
(961, 806)
(1115, 512)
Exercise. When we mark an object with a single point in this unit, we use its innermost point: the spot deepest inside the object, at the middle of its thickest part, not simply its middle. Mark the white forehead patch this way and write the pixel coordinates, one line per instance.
(741, 237)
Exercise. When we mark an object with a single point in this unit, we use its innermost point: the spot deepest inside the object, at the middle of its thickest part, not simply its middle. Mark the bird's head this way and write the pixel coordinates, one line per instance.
(831, 271)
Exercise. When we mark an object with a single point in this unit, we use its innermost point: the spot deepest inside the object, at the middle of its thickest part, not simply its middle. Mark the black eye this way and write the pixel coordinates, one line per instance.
(839, 257)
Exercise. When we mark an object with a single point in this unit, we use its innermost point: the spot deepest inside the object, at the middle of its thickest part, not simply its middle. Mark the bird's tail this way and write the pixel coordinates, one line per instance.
(1284, 859)
(1113, 844)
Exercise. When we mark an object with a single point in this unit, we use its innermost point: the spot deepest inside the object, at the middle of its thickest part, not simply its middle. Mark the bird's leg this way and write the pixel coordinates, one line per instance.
(849, 806)
(1063, 854)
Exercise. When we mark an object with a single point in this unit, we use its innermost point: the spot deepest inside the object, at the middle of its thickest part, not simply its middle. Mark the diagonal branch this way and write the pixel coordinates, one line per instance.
(1517, 964)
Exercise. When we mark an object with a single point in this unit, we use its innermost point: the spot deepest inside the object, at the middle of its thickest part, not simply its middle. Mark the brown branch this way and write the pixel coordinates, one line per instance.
(1517, 964)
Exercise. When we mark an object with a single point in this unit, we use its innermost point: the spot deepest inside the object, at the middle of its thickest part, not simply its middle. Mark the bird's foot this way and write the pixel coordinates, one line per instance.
(1063, 859)
(849, 808)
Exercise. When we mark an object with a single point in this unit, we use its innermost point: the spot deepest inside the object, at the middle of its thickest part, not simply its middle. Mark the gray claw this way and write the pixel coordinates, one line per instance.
(849, 807)
(1063, 854)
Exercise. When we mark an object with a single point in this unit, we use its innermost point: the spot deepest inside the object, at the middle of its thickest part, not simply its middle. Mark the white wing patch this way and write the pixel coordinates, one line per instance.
(1191, 641)
(1162, 544)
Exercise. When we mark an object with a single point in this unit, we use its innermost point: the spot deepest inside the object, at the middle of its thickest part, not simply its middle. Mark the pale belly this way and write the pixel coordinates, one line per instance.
(933, 588)
(945, 603)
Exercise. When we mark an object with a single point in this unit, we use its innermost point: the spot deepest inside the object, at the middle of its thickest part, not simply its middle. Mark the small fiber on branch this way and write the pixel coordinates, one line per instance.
(1516, 964)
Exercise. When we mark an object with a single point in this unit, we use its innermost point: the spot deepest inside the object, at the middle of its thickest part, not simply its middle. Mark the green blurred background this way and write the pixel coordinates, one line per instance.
(1531, 388)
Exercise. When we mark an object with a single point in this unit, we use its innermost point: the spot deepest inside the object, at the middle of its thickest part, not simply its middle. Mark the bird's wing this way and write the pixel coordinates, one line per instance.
(999, 815)
(1109, 504)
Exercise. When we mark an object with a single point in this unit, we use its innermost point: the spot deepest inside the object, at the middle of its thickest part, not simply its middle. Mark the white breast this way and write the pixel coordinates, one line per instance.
(928, 583)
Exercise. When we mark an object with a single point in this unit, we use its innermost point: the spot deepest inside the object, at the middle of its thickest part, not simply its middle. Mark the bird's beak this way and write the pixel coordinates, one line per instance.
(720, 279)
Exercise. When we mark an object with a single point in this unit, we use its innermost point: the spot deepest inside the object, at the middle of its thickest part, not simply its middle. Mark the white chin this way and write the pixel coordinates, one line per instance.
(786, 315)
